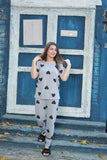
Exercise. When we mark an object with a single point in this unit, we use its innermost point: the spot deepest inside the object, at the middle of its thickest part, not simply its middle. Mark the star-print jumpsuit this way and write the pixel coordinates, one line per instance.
(47, 97)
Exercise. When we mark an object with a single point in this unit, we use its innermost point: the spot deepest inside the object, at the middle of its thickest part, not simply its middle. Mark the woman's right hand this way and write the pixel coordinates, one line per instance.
(37, 58)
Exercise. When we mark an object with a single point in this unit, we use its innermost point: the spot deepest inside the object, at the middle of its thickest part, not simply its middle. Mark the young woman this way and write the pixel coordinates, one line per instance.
(48, 67)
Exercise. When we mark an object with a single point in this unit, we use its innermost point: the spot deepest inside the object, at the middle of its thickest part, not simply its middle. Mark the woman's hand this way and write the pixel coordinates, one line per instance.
(65, 75)
(68, 62)
(37, 58)
(34, 73)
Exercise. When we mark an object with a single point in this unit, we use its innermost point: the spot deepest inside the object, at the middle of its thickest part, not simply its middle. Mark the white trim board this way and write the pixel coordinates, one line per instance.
(57, 3)
(30, 109)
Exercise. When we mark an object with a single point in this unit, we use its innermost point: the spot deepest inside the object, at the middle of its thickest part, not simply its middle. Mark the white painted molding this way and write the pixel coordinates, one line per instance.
(77, 112)
(28, 69)
(40, 50)
(57, 3)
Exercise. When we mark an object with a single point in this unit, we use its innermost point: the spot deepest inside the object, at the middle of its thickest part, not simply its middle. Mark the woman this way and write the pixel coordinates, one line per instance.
(48, 67)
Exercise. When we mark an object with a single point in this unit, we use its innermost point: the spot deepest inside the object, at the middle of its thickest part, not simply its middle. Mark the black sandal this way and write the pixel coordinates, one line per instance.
(41, 138)
(47, 151)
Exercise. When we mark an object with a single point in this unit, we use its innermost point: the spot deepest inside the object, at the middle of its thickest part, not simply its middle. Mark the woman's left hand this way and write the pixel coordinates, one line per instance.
(68, 62)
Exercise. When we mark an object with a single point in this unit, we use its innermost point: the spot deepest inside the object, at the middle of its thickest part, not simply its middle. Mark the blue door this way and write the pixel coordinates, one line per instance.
(32, 30)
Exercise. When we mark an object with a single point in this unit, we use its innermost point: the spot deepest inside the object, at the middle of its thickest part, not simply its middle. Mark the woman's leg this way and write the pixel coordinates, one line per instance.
(40, 114)
(51, 118)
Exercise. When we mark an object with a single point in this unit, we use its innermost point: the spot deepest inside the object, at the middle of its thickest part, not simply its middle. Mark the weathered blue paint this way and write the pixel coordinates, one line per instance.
(103, 69)
(77, 61)
(4, 52)
(25, 59)
(96, 81)
(44, 20)
(99, 81)
(99, 95)
(72, 97)
(25, 89)
(71, 23)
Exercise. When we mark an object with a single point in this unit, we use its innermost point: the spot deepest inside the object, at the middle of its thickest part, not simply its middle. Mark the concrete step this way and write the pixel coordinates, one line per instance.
(21, 131)
(20, 153)
(79, 135)
(65, 134)
(57, 145)
(60, 122)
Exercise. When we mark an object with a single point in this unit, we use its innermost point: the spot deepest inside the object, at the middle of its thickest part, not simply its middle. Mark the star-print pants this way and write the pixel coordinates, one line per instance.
(46, 112)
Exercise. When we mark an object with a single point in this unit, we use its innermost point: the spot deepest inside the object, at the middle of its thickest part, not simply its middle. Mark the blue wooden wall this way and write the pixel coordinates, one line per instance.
(99, 92)
(4, 52)
(99, 82)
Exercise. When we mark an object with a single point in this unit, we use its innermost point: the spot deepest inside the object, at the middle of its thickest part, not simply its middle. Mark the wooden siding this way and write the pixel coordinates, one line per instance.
(4, 52)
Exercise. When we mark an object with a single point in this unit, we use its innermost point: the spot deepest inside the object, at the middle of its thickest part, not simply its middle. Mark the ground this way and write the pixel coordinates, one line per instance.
(16, 153)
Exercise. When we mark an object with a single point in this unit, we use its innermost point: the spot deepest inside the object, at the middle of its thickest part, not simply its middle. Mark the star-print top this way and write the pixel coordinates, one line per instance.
(47, 86)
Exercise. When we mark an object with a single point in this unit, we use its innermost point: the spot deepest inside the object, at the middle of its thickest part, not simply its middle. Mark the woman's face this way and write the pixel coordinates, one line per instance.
(52, 51)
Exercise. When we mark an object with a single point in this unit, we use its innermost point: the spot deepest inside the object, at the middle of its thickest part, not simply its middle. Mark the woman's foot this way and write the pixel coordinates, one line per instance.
(41, 137)
(46, 151)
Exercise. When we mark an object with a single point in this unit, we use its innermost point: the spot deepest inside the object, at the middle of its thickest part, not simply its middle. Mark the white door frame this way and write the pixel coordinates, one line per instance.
(88, 11)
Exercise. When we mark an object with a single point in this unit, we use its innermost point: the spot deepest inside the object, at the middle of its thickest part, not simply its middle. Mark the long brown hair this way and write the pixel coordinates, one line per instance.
(58, 59)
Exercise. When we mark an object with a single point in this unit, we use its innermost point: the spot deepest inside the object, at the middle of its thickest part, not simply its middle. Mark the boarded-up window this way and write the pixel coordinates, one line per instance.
(33, 32)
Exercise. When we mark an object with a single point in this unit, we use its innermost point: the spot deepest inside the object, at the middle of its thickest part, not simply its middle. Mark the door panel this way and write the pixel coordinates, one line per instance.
(25, 89)
(25, 59)
(73, 23)
(76, 60)
(71, 91)
(28, 18)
